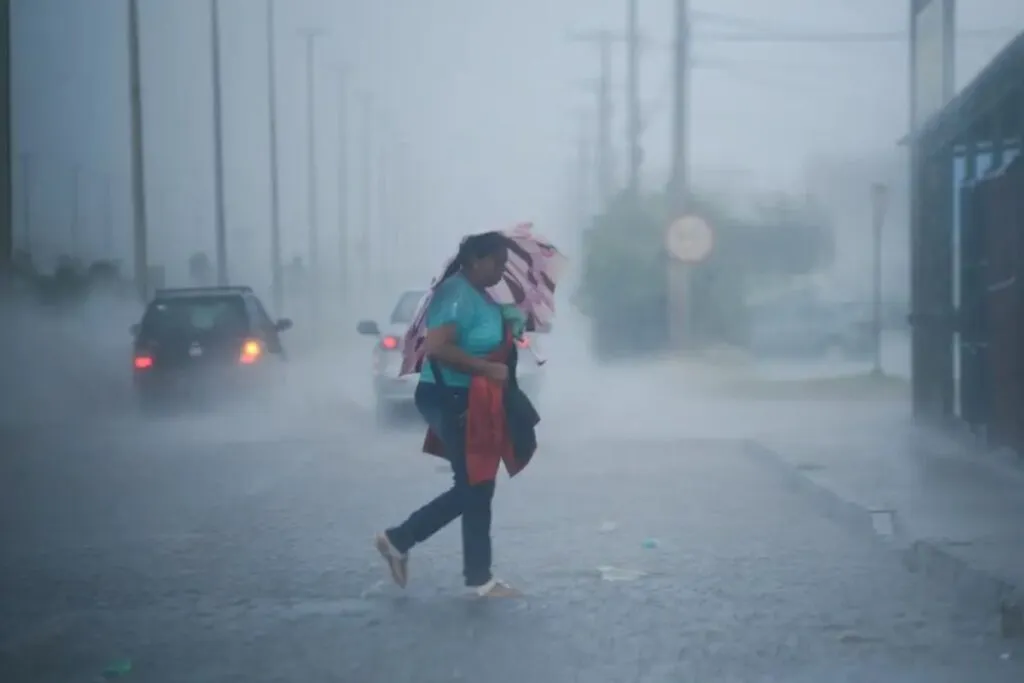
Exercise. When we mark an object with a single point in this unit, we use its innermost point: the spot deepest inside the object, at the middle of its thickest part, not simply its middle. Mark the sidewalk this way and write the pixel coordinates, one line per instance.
(955, 515)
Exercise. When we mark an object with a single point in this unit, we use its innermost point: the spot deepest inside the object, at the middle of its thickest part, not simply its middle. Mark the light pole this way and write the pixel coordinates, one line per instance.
(276, 268)
(220, 225)
(879, 205)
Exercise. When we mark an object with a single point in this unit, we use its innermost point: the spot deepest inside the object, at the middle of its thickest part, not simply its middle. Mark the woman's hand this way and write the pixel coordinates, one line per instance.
(496, 371)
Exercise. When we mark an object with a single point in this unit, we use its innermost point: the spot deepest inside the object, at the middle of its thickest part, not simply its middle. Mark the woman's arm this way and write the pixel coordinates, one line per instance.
(442, 345)
(442, 341)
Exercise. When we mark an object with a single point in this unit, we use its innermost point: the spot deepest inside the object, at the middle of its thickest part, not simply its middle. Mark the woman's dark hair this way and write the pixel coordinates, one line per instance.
(476, 247)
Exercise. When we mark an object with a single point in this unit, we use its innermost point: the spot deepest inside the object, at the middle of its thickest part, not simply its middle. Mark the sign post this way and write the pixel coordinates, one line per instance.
(689, 240)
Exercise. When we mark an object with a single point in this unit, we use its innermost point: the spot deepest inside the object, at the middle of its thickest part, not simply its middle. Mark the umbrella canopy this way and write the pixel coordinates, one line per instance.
(531, 275)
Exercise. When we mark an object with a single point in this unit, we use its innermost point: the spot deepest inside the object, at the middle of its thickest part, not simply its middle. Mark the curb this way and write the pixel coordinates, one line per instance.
(933, 558)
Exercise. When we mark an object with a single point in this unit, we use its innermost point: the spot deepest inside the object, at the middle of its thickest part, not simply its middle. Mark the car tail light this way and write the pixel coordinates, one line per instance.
(251, 352)
(143, 362)
(389, 343)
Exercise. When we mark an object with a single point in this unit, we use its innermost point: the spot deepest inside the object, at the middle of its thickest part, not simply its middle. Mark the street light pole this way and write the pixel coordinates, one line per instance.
(220, 226)
(276, 268)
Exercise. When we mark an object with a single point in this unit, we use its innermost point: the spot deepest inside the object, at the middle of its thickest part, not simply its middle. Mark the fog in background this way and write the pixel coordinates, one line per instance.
(476, 108)
(227, 532)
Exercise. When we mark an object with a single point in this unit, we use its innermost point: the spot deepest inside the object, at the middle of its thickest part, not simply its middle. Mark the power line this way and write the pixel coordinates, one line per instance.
(701, 16)
(841, 37)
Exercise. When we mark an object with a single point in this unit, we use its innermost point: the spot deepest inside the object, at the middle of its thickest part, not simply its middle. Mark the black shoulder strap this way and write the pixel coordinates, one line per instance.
(436, 369)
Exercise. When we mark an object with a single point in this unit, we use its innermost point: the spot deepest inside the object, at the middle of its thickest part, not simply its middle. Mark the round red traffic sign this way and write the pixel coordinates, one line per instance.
(689, 239)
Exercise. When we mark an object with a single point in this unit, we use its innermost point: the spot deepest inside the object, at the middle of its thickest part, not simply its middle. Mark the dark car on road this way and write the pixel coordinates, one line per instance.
(200, 341)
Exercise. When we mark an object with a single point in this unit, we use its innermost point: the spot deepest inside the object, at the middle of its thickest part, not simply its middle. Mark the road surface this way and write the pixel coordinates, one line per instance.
(236, 546)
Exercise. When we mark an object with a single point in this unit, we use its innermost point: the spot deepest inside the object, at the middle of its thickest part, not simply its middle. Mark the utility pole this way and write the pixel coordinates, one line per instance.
(76, 211)
(680, 119)
(139, 229)
(633, 122)
(220, 225)
(311, 181)
(879, 205)
(366, 188)
(276, 267)
(382, 263)
(681, 314)
(108, 218)
(343, 190)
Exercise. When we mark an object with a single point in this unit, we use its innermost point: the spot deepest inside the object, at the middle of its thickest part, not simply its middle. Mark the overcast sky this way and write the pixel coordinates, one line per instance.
(488, 99)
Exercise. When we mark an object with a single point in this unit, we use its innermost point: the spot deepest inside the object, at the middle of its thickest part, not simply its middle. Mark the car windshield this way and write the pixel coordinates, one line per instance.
(219, 316)
(406, 307)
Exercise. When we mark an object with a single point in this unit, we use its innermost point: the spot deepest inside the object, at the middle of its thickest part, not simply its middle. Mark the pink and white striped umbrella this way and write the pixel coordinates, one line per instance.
(531, 275)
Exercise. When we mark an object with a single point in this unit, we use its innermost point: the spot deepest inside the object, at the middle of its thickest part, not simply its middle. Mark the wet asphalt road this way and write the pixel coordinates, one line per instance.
(236, 547)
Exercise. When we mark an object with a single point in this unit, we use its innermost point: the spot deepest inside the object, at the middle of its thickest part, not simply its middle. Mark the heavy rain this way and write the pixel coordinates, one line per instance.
(741, 471)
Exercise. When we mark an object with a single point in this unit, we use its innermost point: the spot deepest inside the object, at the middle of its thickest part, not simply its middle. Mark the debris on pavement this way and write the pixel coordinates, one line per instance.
(118, 669)
(618, 574)
(651, 543)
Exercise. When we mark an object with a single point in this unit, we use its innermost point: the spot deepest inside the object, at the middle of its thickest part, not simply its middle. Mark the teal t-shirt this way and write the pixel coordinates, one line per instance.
(478, 322)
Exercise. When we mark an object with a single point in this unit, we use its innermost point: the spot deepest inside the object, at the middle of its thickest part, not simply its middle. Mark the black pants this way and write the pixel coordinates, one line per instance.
(444, 409)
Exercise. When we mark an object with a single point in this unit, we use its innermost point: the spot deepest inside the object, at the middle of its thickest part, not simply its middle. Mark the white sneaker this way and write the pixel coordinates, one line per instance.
(496, 588)
(398, 563)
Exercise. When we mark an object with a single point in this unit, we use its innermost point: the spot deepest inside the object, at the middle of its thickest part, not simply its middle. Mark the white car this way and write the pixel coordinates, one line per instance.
(391, 391)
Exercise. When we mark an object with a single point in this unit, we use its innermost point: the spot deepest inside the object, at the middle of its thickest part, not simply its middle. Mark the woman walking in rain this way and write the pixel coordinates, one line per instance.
(476, 419)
